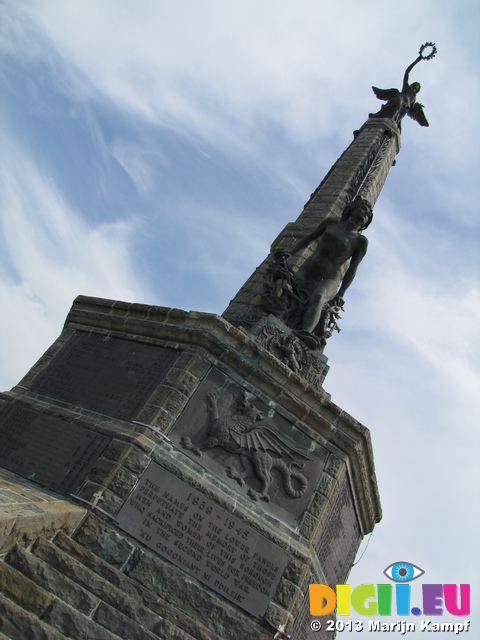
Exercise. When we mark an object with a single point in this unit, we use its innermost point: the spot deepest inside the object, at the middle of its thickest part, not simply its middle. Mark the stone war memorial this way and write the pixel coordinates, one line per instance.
(184, 475)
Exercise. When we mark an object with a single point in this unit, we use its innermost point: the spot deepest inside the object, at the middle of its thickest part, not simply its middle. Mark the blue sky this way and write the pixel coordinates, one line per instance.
(151, 152)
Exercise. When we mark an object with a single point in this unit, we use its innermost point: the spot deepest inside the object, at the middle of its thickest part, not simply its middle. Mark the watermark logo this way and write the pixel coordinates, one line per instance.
(391, 599)
(403, 571)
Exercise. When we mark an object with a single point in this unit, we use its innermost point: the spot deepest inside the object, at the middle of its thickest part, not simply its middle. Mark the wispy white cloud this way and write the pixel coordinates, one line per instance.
(51, 255)
(278, 59)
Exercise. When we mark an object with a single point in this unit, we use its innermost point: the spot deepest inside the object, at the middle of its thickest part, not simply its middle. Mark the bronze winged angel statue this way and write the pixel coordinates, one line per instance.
(401, 103)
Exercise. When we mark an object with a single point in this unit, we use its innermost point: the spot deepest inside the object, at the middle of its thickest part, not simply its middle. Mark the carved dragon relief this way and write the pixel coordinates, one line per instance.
(250, 435)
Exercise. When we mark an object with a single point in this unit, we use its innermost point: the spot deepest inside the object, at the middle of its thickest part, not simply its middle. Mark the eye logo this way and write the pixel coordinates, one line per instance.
(403, 571)
(372, 600)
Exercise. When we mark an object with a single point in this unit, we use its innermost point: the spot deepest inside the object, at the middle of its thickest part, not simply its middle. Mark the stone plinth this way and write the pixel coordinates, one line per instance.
(216, 483)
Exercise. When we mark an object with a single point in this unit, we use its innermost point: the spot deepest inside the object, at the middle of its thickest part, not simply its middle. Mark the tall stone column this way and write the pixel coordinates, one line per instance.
(181, 474)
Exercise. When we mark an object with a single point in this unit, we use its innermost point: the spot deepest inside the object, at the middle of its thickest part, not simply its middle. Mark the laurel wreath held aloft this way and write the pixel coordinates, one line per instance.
(433, 50)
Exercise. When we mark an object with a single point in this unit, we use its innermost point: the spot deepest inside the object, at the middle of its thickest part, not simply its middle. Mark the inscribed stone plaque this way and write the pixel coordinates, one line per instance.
(340, 537)
(249, 444)
(205, 540)
(109, 375)
(47, 450)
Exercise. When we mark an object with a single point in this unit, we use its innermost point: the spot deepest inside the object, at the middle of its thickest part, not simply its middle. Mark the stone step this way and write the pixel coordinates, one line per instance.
(23, 592)
(75, 625)
(68, 579)
(44, 593)
(139, 602)
(51, 580)
(18, 624)
(25, 604)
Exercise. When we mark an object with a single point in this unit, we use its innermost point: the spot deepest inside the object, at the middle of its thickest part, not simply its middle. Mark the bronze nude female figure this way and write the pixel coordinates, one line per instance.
(339, 243)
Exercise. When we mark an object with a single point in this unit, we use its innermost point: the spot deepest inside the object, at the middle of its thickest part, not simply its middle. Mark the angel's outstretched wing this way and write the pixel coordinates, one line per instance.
(416, 113)
(385, 94)
(262, 438)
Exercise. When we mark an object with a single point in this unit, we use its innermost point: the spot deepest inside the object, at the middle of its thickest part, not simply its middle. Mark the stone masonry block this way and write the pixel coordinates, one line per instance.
(326, 485)
(289, 402)
(182, 380)
(129, 456)
(140, 311)
(287, 595)
(335, 467)
(309, 527)
(23, 591)
(103, 471)
(157, 417)
(50, 580)
(101, 549)
(104, 542)
(199, 367)
(15, 622)
(176, 402)
(84, 577)
(318, 505)
(123, 482)
(74, 624)
(168, 398)
(123, 626)
(296, 571)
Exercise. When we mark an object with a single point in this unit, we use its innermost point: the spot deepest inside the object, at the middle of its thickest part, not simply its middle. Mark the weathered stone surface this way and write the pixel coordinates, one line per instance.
(123, 482)
(18, 624)
(279, 619)
(100, 565)
(105, 543)
(130, 457)
(309, 526)
(287, 594)
(326, 485)
(25, 522)
(122, 625)
(23, 591)
(335, 467)
(103, 471)
(182, 592)
(318, 504)
(50, 580)
(182, 380)
(77, 572)
(74, 624)
(296, 571)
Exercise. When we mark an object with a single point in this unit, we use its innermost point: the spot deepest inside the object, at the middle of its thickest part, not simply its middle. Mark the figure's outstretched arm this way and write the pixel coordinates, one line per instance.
(407, 72)
(310, 237)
